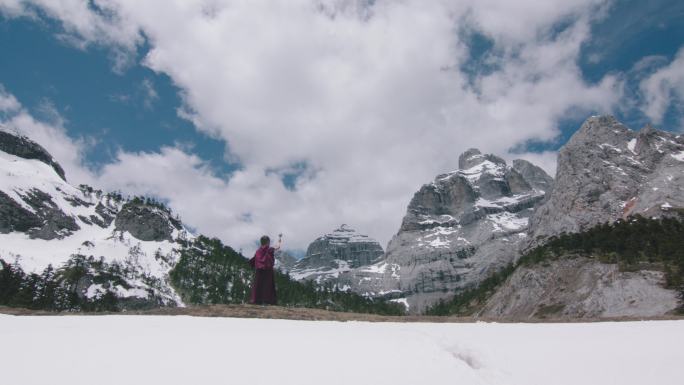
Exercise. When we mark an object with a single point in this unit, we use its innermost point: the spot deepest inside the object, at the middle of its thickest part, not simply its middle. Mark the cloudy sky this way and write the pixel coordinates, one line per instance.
(294, 116)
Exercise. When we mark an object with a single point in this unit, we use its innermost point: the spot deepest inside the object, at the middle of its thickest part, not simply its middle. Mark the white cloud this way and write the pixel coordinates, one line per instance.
(369, 96)
(8, 103)
(14, 8)
(664, 88)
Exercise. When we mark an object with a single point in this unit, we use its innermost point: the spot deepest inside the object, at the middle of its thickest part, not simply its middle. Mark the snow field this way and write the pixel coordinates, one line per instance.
(181, 350)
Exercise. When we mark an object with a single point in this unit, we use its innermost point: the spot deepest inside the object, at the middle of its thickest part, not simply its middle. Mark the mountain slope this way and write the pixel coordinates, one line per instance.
(607, 241)
(630, 268)
(47, 222)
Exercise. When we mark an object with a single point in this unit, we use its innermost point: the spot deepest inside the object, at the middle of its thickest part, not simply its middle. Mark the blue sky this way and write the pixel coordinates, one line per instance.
(95, 100)
(300, 116)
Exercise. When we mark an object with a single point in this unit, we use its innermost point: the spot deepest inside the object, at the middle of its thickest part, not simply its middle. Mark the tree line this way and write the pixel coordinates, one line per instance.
(209, 272)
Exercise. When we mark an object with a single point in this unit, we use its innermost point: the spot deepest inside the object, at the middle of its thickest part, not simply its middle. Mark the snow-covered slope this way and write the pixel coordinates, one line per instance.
(46, 221)
(190, 350)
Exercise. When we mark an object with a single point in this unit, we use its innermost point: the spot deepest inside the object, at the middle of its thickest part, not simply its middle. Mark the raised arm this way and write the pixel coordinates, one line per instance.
(280, 242)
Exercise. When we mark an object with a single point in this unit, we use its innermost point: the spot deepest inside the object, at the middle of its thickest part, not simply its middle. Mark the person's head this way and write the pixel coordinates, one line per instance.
(265, 240)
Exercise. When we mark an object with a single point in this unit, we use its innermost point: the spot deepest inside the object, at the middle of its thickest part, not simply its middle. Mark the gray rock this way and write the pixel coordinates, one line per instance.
(54, 222)
(145, 222)
(534, 175)
(46, 221)
(580, 288)
(606, 172)
(105, 215)
(13, 217)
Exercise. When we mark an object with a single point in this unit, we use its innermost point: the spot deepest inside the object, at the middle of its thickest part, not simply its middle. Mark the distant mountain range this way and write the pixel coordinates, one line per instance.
(489, 238)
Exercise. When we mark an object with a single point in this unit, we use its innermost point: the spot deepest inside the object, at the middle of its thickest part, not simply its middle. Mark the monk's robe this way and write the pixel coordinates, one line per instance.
(263, 287)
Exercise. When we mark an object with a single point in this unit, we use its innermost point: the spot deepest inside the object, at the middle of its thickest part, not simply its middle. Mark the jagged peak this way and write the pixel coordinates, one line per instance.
(473, 157)
(346, 233)
(519, 163)
(468, 156)
(602, 119)
(533, 174)
(601, 127)
(649, 131)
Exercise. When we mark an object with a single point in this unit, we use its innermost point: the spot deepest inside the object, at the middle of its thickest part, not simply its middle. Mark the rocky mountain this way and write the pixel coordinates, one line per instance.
(457, 230)
(606, 172)
(336, 253)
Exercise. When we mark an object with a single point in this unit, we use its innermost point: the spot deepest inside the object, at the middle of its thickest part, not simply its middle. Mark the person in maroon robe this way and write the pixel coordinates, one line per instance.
(263, 287)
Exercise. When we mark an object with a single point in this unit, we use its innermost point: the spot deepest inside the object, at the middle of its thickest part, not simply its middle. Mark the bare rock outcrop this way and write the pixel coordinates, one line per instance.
(606, 172)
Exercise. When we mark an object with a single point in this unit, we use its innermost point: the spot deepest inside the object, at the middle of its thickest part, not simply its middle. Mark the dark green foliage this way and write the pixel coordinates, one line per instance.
(210, 273)
(633, 243)
(150, 201)
(308, 294)
(32, 291)
(63, 289)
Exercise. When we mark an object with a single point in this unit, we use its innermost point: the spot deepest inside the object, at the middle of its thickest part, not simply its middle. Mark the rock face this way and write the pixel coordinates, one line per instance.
(607, 171)
(457, 230)
(335, 253)
(146, 222)
(580, 288)
(13, 217)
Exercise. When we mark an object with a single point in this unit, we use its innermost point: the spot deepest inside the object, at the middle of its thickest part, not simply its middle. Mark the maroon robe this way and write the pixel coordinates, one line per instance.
(263, 287)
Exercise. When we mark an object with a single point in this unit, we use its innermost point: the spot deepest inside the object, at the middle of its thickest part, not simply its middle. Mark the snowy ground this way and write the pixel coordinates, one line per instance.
(193, 350)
